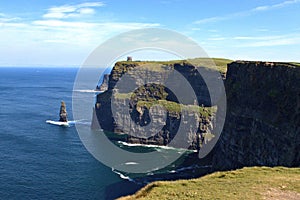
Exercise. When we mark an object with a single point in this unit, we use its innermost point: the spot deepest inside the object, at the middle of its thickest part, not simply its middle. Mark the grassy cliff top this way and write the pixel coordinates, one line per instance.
(219, 63)
(295, 63)
(246, 183)
(271, 64)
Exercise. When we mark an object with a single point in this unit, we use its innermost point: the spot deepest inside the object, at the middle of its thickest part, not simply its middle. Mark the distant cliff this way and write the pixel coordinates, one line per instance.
(263, 116)
(263, 112)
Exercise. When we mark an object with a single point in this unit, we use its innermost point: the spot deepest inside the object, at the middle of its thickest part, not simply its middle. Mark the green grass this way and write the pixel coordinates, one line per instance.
(295, 63)
(123, 95)
(219, 64)
(177, 108)
(170, 106)
(170, 62)
(246, 183)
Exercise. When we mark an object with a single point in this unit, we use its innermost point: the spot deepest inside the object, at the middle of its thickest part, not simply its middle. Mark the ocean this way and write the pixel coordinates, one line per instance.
(43, 161)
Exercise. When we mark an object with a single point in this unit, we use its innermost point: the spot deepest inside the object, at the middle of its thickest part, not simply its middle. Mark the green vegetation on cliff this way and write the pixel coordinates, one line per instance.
(246, 183)
(218, 63)
(296, 63)
(177, 108)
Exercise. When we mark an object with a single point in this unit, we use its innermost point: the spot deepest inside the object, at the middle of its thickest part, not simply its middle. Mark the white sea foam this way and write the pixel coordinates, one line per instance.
(180, 150)
(83, 122)
(131, 163)
(58, 123)
(184, 168)
(88, 91)
(192, 167)
(122, 176)
(145, 145)
(69, 123)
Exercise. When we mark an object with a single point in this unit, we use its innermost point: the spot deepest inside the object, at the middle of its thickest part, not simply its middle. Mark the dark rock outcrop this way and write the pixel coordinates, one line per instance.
(104, 85)
(263, 116)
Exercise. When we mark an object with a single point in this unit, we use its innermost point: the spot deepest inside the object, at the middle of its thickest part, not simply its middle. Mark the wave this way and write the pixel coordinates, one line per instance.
(189, 168)
(131, 163)
(83, 122)
(69, 123)
(144, 145)
(156, 146)
(122, 176)
(88, 91)
(166, 174)
(58, 123)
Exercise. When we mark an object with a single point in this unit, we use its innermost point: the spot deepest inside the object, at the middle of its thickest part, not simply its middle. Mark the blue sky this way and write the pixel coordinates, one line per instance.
(64, 33)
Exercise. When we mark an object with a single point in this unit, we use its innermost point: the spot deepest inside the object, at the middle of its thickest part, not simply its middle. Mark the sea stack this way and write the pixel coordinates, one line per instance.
(63, 112)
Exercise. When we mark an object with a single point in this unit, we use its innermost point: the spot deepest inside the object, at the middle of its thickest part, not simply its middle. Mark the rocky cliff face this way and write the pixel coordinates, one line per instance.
(263, 116)
(262, 125)
(141, 102)
(104, 85)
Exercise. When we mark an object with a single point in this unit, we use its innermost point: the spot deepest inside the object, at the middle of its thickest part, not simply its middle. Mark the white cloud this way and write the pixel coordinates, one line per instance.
(274, 6)
(210, 20)
(13, 24)
(268, 41)
(262, 29)
(91, 4)
(91, 27)
(257, 37)
(69, 11)
(56, 39)
(86, 11)
(61, 30)
(216, 38)
(60, 23)
(6, 18)
(278, 42)
(246, 13)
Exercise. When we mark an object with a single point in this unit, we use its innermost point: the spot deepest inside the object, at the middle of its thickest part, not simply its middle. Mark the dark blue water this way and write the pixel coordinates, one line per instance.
(39, 160)
(43, 161)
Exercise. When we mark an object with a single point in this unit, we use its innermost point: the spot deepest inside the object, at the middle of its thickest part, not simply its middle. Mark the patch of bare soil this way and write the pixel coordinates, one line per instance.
(277, 194)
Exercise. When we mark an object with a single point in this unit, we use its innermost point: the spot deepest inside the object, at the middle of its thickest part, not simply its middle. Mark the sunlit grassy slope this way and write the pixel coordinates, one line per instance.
(246, 183)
